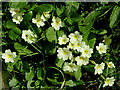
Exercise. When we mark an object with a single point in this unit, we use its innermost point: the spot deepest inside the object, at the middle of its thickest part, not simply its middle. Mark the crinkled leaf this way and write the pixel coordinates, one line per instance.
(13, 82)
(10, 24)
(51, 34)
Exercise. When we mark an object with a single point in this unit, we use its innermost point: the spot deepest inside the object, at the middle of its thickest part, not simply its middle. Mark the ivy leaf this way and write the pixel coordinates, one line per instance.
(78, 73)
(14, 33)
(51, 34)
(10, 24)
(114, 16)
(70, 83)
(13, 82)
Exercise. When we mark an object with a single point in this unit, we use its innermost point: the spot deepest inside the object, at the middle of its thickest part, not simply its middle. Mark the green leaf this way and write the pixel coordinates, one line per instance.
(91, 40)
(29, 76)
(50, 48)
(70, 83)
(58, 11)
(60, 33)
(43, 8)
(54, 81)
(91, 17)
(28, 16)
(40, 73)
(13, 82)
(22, 49)
(99, 32)
(89, 68)
(59, 62)
(10, 24)
(79, 82)
(17, 4)
(10, 67)
(114, 16)
(29, 83)
(14, 33)
(18, 64)
(78, 73)
(51, 34)
(37, 83)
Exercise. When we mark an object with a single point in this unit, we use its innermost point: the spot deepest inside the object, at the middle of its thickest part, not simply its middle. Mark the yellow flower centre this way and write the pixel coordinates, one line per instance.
(37, 20)
(86, 51)
(72, 44)
(98, 67)
(81, 58)
(106, 81)
(17, 11)
(75, 36)
(71, 65)
(78, 44)
(56, 22)
(101, 49)
(63, 40)
(9, 56)
(109, 65)
(64, 52)
(26, 35)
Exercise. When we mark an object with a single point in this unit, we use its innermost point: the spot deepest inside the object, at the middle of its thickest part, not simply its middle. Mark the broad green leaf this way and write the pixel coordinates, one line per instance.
(78, 73)
(43, 8)
(22, 49)
(91, 17)
(13, 82)
(89, 68)
(58, 11)
(60, 33)
(51, 34)
(70, 83)
(29, 76)
(91, 40)
(114, 16)
(14, 33)
(50, 48)
(28, 16)
(17, 4)
(59, 63)
(10, 24)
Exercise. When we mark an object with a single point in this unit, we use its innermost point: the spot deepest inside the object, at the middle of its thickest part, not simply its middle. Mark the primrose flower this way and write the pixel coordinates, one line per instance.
(14, 11)
(86, 51)
(75, 37)
(17, 18)
(101, 48)
(82, 60)
(109, 81)
(45, 16)
(111, 65)
(38, 21)
(64, 53)
(28, 36)
(63, 40)
(99, 67)
(79, 45)
(57, 23)
(70, 67)
(71, 45)
(9, 56)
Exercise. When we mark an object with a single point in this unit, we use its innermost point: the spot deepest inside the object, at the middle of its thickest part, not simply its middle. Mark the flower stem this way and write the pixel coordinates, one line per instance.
(37, 49)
